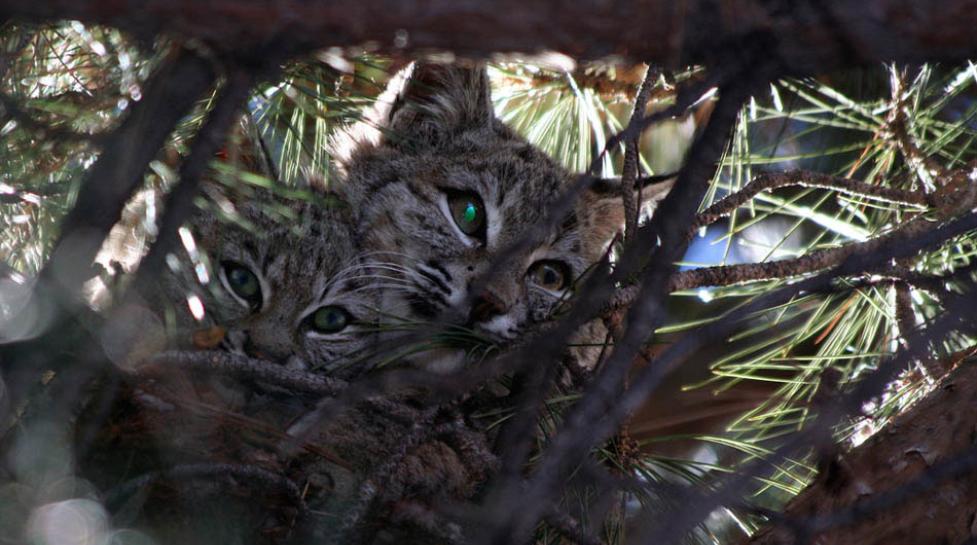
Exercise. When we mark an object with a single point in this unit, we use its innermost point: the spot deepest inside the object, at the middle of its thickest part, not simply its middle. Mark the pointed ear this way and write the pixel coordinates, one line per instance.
(439, 100)
(648, 190)
(602, 210)
(424, 104)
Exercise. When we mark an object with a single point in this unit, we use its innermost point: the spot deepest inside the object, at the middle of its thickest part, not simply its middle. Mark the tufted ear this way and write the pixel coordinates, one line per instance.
(649, 189)
(602, 209)
(424, 104)
(243, 184)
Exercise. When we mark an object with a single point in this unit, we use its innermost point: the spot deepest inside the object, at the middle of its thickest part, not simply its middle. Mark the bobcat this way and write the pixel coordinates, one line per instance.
(292, 291)
(440, 186)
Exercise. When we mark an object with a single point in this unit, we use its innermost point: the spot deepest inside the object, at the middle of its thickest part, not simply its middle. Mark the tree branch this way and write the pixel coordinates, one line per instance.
(807, 36)
(253, 476)
(630, 171)
(179, 203)
(118, 172)
(728, 275)
(573, 442)
(804, 178)
(924, 465)
(234, 365)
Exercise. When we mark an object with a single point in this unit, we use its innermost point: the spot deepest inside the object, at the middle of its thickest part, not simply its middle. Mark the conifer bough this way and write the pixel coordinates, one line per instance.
(789, 37)
(805, 36)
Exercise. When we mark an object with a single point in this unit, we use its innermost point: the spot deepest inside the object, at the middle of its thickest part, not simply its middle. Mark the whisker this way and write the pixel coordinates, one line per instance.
(382, 276)
(386, 252)
(381, 286)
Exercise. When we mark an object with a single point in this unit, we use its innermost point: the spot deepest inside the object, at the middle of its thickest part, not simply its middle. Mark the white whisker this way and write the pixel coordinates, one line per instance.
(392, 279)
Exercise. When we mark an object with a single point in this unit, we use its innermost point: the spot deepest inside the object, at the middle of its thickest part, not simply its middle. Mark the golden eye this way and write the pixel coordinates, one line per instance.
(330, 319)
(468, 213)
(243, 283)
(550, 274)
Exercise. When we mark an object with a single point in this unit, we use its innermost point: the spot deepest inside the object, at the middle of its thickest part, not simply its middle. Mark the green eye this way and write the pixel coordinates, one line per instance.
(243, 283)
(330, 319)
(468, 213)
(550, 274)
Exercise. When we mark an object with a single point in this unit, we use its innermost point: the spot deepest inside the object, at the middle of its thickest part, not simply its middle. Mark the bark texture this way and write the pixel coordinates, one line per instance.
(804, 35)
(912, 482)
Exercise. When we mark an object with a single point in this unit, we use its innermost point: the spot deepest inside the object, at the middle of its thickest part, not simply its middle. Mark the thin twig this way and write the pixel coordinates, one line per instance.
(629, 172)
(729, 275)
(897, 129)
(905, 315)
(804, 178)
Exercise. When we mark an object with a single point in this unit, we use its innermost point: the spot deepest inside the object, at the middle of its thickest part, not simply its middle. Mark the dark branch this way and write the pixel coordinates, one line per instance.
(255, 477)
(803, 178)
(119, 171)
(808, 36)
(179, 203)
(234, 365)
(631, 169)
(578, 435)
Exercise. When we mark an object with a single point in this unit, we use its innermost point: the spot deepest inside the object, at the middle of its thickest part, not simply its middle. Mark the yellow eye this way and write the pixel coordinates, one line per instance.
(550, 274)
(468, 213)
(243, 283)
(330, 319)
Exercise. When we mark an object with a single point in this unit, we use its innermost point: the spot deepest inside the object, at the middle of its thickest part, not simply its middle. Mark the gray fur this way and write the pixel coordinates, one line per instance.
(303, 264)
(434, 129)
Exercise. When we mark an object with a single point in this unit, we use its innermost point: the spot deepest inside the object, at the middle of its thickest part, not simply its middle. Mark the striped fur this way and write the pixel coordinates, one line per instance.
(433, 132)
(302, 264)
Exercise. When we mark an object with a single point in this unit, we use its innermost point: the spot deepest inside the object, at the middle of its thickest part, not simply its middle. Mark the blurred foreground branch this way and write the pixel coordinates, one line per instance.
(806, 36)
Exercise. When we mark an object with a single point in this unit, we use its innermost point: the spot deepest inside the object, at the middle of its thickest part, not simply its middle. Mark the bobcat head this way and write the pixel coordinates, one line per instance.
(440, 187)
(282, 276)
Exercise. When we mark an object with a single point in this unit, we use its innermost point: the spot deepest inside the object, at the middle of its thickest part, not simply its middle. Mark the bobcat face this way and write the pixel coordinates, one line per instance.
(441, 187)
(291, 292)
(442, 217)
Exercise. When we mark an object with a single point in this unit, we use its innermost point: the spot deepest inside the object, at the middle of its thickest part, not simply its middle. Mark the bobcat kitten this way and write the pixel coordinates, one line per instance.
(440, 186)
(293, 291)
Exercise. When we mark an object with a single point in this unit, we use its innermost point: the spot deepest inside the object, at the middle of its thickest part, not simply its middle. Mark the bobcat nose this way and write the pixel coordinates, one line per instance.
(261, 346)
(485, 307)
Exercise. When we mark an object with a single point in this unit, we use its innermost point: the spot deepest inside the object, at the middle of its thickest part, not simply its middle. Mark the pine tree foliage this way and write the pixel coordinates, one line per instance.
(900, 127)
